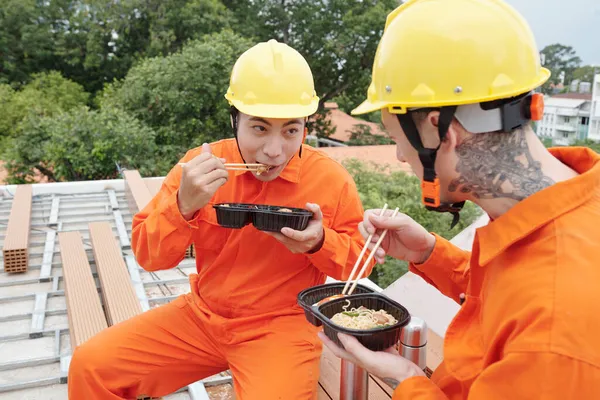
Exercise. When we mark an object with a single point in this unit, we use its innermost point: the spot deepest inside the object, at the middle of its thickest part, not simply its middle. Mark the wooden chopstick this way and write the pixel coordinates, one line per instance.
(239, 167)
(372, 254)
(362, 253)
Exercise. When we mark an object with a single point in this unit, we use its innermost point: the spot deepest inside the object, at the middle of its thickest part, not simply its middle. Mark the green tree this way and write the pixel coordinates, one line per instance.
(337, 37)
(559, 58)
(585, 73)
(399, 189)
(47, 94)
(361, 135)
(181, 96)
(95, 41)
(81, 144)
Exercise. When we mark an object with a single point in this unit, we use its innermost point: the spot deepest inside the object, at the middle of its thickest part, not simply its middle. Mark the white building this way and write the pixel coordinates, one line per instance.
(594, 128)
(565, 119)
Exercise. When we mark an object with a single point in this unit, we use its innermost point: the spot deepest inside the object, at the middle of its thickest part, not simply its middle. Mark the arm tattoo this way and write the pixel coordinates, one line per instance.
(498, 165)
(392, 382)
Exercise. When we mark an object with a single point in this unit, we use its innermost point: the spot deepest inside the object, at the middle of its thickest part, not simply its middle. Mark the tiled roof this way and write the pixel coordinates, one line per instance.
(382, 155)
(577, 96)
(344, 123)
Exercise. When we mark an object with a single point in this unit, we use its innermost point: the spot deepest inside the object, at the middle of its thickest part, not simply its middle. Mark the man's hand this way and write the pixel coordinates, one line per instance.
(405, 240)
(308, 240)
(200, 179)
(387, 365)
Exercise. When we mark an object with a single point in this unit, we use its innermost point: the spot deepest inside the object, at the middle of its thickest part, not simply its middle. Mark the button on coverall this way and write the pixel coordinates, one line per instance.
(529, 328)
(241, 312)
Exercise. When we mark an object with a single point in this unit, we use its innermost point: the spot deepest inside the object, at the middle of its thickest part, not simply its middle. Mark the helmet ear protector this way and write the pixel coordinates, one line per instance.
(511, 114)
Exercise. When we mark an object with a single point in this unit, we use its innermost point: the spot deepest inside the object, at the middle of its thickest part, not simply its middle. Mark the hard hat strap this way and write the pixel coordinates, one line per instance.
(430, 189)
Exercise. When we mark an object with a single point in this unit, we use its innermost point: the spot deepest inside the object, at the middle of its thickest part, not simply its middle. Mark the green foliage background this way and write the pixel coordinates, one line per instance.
(399, 189)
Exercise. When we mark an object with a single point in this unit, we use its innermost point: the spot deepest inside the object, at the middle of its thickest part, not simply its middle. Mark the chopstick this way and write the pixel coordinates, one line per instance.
(240, 167)
(362, 253)
(371, 255)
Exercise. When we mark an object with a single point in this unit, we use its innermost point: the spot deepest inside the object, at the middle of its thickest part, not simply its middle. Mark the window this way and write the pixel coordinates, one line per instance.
(585, 120)
(565, 134)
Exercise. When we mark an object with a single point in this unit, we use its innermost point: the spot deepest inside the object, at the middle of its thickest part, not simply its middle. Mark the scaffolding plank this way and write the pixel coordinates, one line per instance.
(14, 250)
(136, 191)
(119, 296)
(86, 317)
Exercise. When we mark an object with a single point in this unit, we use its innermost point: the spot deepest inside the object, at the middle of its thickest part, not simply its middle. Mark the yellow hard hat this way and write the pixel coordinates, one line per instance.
(437, 53)
(272, 80)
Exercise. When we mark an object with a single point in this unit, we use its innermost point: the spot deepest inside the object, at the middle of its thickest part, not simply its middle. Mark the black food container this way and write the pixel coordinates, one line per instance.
(308, 298)
(377, 339)
(264, 217)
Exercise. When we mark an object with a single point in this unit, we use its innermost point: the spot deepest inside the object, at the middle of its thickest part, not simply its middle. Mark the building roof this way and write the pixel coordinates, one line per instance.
(345, 123)
(34, 317)
(382, 155)
(576, 96)
(35, 337)
(563, 102)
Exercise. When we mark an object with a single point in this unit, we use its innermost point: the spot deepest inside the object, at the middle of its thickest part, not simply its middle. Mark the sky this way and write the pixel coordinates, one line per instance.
(573, 23)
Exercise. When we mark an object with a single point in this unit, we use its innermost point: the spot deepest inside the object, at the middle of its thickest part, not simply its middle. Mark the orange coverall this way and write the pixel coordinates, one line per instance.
(529, 328)
(242, 312)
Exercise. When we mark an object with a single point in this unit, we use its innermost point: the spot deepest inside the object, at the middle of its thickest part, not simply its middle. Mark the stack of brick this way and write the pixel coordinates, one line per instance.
(16, 255)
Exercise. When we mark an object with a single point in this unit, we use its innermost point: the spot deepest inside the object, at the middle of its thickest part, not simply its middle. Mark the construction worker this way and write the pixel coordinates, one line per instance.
(454, 81)
(242, 312)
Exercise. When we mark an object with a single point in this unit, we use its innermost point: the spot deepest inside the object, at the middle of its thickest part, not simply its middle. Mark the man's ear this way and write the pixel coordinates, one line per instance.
(451, 140)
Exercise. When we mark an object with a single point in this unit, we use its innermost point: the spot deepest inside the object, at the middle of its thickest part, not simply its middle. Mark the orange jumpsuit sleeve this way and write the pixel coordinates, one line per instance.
(520, 375)
(160, 235)
(447, 268)
(343, 242)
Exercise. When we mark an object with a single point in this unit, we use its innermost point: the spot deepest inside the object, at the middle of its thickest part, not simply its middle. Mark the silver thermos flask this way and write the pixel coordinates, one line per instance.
(413, 342)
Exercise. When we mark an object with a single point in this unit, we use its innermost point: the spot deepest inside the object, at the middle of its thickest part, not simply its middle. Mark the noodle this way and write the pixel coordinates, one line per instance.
(362, 318)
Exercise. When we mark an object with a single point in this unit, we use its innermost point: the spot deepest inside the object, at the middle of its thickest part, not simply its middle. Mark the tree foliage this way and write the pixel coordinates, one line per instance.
(181, 96)
(81, 144)
(46, 95)
(338, 37)
(361, 135)
(559, 58)
(404, 191)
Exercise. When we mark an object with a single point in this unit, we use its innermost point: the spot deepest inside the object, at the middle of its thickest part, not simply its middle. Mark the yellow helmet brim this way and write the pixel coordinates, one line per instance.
(277, 110)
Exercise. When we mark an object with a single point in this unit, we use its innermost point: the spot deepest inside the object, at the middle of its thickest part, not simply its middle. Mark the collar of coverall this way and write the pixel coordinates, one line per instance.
(542, 207)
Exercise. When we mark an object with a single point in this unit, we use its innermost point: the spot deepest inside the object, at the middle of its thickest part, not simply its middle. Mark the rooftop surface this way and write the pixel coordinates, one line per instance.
(35, 320)
(35, 344)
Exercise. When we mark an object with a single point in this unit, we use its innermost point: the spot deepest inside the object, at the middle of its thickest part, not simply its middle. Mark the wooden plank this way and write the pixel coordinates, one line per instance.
(136, 191)
(120, 300)
(16, 257)
(86, 317)
(330, 378)
(153, 185)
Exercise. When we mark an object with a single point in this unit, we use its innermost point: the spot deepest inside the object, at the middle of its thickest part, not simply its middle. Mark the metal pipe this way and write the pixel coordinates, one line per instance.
(354, 382)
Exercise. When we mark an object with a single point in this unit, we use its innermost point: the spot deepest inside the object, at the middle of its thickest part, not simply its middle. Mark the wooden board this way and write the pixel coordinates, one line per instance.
(120, 300)
(136, 191)
(330, 378)
(153, 185)
(14, 250)
(85, 313)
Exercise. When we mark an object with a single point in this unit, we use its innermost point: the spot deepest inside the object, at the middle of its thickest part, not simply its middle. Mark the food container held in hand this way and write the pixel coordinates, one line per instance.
(310, 298)
(373, 319)
(264, 217)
